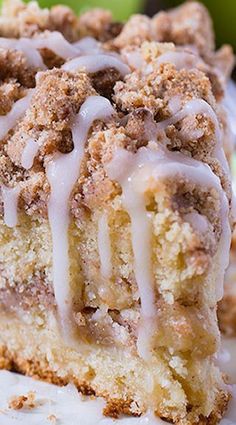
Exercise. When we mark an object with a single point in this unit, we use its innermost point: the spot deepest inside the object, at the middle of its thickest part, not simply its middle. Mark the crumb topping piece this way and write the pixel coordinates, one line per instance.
(23, 401)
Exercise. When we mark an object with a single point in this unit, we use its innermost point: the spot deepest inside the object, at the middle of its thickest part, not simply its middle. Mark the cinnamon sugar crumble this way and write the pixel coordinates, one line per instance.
(27, 401)
(53, 419)
(59, 94)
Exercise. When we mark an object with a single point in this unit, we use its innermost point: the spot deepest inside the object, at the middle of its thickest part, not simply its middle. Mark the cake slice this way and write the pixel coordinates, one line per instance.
(115, 207)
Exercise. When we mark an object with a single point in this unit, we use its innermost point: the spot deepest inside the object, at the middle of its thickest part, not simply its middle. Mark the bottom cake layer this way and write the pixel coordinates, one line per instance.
(33, 346)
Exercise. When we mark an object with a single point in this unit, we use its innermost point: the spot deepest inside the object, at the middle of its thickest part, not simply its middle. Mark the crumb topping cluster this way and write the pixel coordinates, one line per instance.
(148, 89)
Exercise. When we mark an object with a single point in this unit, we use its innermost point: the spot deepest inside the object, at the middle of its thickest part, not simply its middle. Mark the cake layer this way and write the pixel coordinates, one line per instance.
(36, 348)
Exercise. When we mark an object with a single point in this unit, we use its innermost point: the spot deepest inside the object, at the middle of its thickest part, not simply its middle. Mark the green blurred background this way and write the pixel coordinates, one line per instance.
(222, 11)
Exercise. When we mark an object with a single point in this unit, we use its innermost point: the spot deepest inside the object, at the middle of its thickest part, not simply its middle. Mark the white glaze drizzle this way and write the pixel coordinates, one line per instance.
(88, 45)
(134, 59)
(198, 221)
(8, 121)
(194, 107)
(104, 247)
(63, 172)
(53, 41)
(29, 153)
(95, 63)
(189, 60)
(181, 60)
(93, 58)
(141, 241)
(25, 45)
(174, 104)
(11, 195)
(10, 201)
(134, 172)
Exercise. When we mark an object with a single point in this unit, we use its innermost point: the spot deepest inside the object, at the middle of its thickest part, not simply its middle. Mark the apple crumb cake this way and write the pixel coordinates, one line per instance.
(115, 206)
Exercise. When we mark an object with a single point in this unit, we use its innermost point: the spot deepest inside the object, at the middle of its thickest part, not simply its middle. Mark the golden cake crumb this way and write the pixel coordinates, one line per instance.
(23, 401)
(52, 419)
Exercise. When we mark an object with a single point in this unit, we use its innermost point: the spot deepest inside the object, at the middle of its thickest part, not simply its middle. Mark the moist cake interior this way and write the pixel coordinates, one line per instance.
(115, 206)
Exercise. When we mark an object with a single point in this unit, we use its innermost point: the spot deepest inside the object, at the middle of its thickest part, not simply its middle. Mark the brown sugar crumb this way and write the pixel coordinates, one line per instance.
(114, 407)
(93, 23)
(10, 91)
(223, 59)
(154, 90)
(21, 20)
(13, 65)
(58, 96)
(135, 31)
(140, 127)
(23, 401)
(187, 24)
(52, 419)
(110, 31)
(63, 19)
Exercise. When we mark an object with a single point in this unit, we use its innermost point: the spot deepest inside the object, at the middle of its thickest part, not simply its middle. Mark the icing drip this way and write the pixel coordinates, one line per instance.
(133, 201)
(25, 45)
(29, 153)
(88, 45)
(181, 60)
(134, 59)
(10, 200)
(194, 107)
(94, 63)
(198, 221)
(62, 173)
(53, 41)
(104, 247)
(8, 121)
(135, 172)
(92, 57)
(122, 169)
(174, 104)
